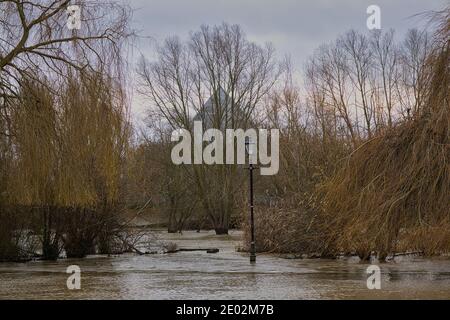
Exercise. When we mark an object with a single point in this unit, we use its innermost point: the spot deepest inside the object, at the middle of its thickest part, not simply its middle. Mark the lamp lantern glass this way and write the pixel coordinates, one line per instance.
(249, 146)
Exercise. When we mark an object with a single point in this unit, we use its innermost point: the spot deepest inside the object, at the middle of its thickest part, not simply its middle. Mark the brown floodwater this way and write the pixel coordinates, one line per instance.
(224, 275)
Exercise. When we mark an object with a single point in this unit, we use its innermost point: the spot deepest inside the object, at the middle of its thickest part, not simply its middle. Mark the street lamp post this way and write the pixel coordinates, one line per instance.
(249, 148)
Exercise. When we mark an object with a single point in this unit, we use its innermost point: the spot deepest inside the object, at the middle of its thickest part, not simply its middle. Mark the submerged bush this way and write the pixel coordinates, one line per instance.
(9, 248)
(393, 193)
(390, 194)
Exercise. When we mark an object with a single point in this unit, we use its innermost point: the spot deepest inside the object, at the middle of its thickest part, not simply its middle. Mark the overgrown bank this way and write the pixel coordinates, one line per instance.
(64, 128)
(389, 194)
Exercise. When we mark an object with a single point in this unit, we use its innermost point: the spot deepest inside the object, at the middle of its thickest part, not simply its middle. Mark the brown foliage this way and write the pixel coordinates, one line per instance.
(393, 193)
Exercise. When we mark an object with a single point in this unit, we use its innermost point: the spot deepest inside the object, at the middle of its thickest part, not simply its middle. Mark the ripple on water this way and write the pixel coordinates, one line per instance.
(224, 275)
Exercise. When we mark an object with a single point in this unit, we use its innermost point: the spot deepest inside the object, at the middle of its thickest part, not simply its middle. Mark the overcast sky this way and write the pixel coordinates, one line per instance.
(295, 27)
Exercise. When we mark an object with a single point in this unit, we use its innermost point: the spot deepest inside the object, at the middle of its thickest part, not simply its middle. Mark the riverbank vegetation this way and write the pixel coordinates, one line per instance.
(218, 77)
(364, 137)
(364, 143)
(64, 129)
(369, 174)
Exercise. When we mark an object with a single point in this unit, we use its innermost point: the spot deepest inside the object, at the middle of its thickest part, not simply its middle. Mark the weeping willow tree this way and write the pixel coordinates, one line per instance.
(70, 142)
(62, 122)
(393, 193)
(95, 137)
(34, 168)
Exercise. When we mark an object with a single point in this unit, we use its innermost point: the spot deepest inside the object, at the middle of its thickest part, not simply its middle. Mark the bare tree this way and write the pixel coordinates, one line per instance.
(217, 62)
(359, 57)
(153, 176)
(328, 80)
(35, 40)
(387, 64)
(414, 52)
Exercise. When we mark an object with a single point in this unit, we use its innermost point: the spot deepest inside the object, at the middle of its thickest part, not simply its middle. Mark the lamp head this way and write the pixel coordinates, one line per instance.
(249, 146)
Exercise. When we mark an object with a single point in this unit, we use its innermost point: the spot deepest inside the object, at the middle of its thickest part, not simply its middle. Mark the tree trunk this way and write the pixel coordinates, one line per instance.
(172, 225)
(221, 230)
(50, 248)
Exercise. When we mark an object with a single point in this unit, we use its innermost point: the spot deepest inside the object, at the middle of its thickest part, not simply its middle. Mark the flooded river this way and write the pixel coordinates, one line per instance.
(223, 275)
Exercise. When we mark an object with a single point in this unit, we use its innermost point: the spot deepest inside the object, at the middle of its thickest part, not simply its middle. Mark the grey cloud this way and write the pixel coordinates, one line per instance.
(291, 25)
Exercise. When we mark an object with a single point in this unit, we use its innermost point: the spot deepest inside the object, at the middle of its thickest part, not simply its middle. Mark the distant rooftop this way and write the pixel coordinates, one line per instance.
(212, 115)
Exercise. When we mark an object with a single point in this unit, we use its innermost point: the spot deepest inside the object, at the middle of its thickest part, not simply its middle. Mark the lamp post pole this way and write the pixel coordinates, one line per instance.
(251, 152)
(252, 220)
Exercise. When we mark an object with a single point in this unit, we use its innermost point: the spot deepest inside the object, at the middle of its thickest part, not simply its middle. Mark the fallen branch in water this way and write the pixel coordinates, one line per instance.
(208, 250)
(408, 253)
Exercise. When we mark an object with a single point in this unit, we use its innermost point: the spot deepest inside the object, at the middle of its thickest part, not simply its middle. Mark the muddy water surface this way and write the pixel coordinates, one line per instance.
(224, 275)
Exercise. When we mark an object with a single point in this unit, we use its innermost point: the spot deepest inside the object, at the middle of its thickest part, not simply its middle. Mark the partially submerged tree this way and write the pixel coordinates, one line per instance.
(215, 60)
(69, 153)
(63, 113)
(339, 191)
(392, 193)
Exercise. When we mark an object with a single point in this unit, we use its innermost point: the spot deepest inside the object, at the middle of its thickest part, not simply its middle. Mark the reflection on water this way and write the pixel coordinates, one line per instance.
(225, 275)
